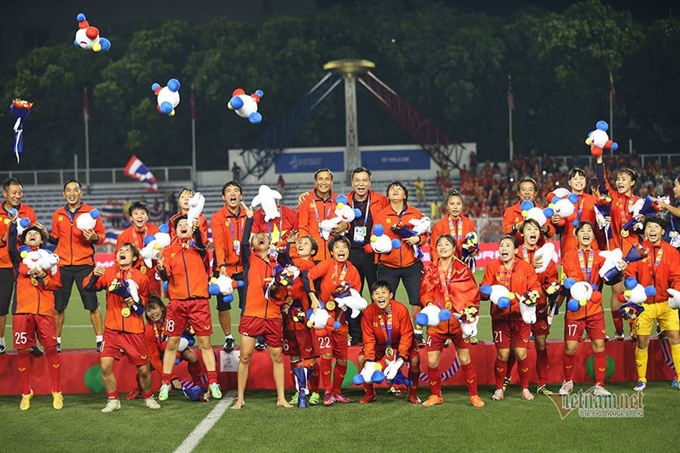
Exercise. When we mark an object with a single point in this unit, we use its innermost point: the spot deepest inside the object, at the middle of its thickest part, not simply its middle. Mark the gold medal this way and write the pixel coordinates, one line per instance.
(34, 281)
(330, 305)
(125, 311)
(448, 306)
(624, 233)
(389, 352)
(289, 300)
(142, 269)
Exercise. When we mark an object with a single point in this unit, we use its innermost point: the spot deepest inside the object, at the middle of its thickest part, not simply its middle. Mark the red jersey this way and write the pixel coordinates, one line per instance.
(620, 213)
(585, 212)
(333, 276)
(520, 278)
(136, 237)
(279, 228)
(228, 239)
(311, 212)
(458, 228)
(297, 291)
(583, 266)
(453, 287)
(546, 278)
(513, 215)
(185, 272)
(73, 248)
(391, 326)
(134, 323)
(661, 269)
(35, 295)
(405, 255)
(24, 211)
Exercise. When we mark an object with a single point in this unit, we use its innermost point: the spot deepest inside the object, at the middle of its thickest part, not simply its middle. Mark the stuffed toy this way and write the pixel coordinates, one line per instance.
(245, 105)
(581, 292)
(380, 242)
(87, 37)
(370, 374)
(353, 301)
(468, 319)
(633, 297)
(563, 204)
(21, 109)
(266, 198)
(674, 301)
(416, 228)
(321, 321)
(546, 253)
(22, 222)
(498, 295)
(283, 277)
(39, 258)
(153, 245)
(225, 286)
(470, 247)
(343, 213)
(603, 209)
(647, 207)
(530, 211)
(196, 204)
(87, 220)
(611, 271)
(128, 288)
(167, 97)
(598, 140)
(527, 306)
(432, 315)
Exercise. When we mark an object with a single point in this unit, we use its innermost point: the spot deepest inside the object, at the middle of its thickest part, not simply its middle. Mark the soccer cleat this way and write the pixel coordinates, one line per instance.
(640, 386)
(260, 346)
(59, 348)
(111, 406)
(215, 390)
(151, 403)
(527, 395)
(433, 400)
(633, 337)
(57, 400)
(340, 398)
(619, 335)
(134, 394)
(328, 399)
(3, 349)
(294, 400)
(369, 397)
(566, 388)
(314, 399)
(506, 382)
(413, 399)
(543, 390)
(476, 401)
(26, 401)
(36, 351)
(229, 344)
(498, 395)
(419, 338)
(674, 383)
(474, 340)
(163, 392)
(601, 391)
(100, 346)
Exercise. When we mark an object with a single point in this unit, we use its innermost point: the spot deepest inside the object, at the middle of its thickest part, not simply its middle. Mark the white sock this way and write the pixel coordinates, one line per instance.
(417, 331)
(58, 340)
(100, 338)
(2, 341)
(228, 336)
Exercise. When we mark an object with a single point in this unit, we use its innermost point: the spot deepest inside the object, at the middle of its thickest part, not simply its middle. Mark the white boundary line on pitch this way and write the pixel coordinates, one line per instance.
(195, 437)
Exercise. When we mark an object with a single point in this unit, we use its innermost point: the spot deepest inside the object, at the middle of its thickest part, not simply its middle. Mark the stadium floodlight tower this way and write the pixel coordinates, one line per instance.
(350, 69)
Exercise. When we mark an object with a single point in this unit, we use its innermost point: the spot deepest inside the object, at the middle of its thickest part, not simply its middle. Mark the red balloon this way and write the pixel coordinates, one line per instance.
(596, 298)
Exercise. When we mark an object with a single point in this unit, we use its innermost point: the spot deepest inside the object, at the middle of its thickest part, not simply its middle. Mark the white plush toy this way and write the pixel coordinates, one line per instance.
(527, 306)
(421, 226)
(498, 295)
(633, 297)
(538, 215)
(581, 292)
(266, 197)
(343, 213)
(245, 105)
(88, 38)
(196, 204)
(87, 220)
(598, 140)
(354, 302)
(225, 286)
(432, 315)
(392, 369)
(610, 268)
(153, 245)
(547, 253)
(381, 243)
(39, 258)
(167, 97)
(468, 319)
(22, 222)
(321, 320)
(674, 301)
(370, 374)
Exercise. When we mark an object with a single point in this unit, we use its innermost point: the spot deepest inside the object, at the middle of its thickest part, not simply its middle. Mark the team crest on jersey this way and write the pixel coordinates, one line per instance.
(172, 255)
(60, 218)
(388, 220)
(311, 205)
(206, 327)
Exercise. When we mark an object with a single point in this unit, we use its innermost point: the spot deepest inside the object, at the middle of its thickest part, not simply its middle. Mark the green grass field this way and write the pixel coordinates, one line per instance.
(389, 424)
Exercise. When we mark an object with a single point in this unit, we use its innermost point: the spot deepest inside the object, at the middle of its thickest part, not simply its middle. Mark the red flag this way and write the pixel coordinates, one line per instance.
(86, 106)
(511, 96)
(612, 91)
(192, 103)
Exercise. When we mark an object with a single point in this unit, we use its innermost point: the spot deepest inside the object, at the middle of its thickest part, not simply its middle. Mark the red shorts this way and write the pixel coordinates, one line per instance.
(594, 325)
(132, 344)
(271, 329)
(335, 343)
(435, 341)
(380, 351)
(540, 328)
(27, 326)
(195, 312)
(299, 343)
(506, 333)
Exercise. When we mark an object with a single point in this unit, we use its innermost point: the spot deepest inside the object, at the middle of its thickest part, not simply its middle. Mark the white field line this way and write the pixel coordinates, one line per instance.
(195, 437)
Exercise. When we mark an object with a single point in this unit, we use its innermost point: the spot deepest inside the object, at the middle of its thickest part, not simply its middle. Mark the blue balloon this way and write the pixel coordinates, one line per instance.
(166, 108)
(255, 118)
(336, 325)
(80, 17)
(239, 283)
(526, 205)
(378, 230)
(396, 243)
(105, 43)
(164, 228)
(95, 213)
(341, 199)
(228, 299)
(630, 283)
(615, 146)
(358, 380)
(548, 212)
(25, 222)
(573, 305)
(485, 290)
(236, 102)
(213, 289)
(569, 282)
(650, 291)
(503, 303)
(259, 93)
(573, 198)
(602, 125)
(444, 315)
(154, 87)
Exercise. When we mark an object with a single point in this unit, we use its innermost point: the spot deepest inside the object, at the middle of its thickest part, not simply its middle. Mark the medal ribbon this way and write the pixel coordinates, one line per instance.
(657, 260)
(232, 228)
(504, 276)
(624, 213)
(159, 333)
(458, 231)
(586, 267)
(528, 257)
(336, 281)
(386, 325)
(444, 280)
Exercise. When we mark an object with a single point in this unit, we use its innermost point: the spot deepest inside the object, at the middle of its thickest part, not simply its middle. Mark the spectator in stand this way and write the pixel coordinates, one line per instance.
(281, 184)
(236, 173)
(435, 210)
(420, 190)
(75, 249)
(13, 192)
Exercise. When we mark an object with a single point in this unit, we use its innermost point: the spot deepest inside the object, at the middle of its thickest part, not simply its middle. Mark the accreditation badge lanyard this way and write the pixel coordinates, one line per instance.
(386, 326)
(586, 262)
(368, 208)
(527, 254)
(444, 280)
(657, 261)
(456, 232)
(328, 212)
(236, 239)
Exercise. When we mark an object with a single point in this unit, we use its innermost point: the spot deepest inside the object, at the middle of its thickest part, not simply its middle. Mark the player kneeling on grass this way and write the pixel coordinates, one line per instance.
(450, 285)
(33, 313)
(388, 333)
(182, 266)
(517, 279)
(262, 312)
(127, 289)
(660, 269)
